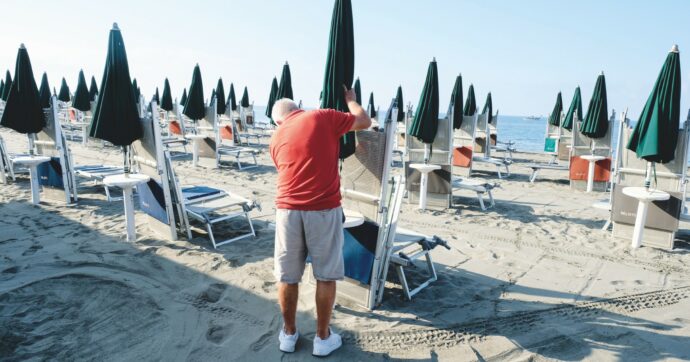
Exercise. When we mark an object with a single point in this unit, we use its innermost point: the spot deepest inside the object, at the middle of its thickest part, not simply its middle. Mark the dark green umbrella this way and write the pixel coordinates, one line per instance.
(157, 97)
(93, 89)
(372, 107)
(285, 87)
(425, 123)
(272, 98)
(575, 110)
(456, 102)
(488, 107)
(471, 103)
(137, 91)
(64, 95)
(23, 112)
(555, 117)
(213, 95)
(340, 67)
(194, 108)
(8, 85)
(244, 102)
(44, 92)
(656, 133)
(166, 99)
(183, 99)
(232, 101)
(220, 96)
(2, 88)
(400, 104)
(116, 118)
(81, 100)
(596, 122)
(358, 92)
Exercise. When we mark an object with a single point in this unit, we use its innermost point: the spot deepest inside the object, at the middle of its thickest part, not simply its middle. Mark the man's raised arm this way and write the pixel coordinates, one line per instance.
(362, 120)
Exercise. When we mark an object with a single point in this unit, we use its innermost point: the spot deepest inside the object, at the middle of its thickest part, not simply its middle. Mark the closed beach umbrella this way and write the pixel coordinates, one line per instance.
(425, 123)
(400, 104)
(183, 99)
(93, 89)
(194, 108)
(372, 107)
(358, 92)
(456, 102)
(23, 112)
(213, 95)
(285, 87)
(137, 91)
(2, 88)
(656, 133)
(555, 117)
(166, 99)
(81, 99)
(596, 122)
(64, 95)
(116, 118)
(244, 102)
(340, 67)
(471, 103)
(575, 110)
(157, 97)
(220, 95)
(488, 107)
(8, 85)
(232, 101)
(272, 98)
(44, 92)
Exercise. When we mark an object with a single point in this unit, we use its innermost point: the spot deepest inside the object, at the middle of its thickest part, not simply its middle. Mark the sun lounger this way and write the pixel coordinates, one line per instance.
(582, 146)
(557, 144)
(482, 147)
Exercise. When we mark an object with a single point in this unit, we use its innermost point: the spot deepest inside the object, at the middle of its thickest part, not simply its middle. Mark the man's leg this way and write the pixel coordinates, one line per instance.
(287, 297)
(325, 297)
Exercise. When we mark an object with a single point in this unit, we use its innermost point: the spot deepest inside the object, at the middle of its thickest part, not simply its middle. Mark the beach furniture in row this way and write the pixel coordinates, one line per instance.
(506, 147)
(482, 145)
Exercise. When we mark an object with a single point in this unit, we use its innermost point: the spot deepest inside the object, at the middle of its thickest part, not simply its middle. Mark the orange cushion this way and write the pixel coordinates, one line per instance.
(226, 133)
(580, 167)
(175, 128)
(493, 139)
(462, 156)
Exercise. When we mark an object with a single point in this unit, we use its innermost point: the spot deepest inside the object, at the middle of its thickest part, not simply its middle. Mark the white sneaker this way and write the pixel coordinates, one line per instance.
(324, 347)
(287, 341)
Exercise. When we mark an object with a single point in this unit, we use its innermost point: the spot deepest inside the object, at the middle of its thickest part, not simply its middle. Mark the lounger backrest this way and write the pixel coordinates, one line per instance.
(583, 145)
(464, 136)
(177, 109)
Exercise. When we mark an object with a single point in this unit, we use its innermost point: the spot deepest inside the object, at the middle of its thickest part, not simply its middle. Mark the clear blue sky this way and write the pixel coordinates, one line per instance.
(524, 52)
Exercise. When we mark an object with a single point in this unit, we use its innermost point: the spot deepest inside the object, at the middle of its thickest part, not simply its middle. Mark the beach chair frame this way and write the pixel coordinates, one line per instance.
(583, 145)
(482, 147)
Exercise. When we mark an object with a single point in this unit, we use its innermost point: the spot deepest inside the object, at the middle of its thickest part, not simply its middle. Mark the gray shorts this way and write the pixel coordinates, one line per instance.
(318, 234)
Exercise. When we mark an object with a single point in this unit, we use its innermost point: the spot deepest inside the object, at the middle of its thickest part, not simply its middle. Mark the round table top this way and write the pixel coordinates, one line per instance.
(125, 181)
(592, 158)
(644, 194)
(195, 136)
(352, 219)
(424, 167)
(31, 160)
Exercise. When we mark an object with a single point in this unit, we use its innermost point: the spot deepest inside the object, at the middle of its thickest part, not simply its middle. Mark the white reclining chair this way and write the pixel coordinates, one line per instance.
(482, 147)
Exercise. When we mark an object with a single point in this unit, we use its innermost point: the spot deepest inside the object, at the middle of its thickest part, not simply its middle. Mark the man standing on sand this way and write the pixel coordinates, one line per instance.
(309, 219)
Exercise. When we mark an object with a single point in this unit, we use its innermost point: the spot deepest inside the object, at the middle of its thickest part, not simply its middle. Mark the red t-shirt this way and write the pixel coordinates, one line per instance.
(304, 149)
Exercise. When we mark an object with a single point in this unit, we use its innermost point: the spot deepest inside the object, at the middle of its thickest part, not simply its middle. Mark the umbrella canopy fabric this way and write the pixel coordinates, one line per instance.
(156, 97)
(64, 95)
(194, 108)
(8, 85)
(656, 134)
(471, 102)
(596, 122)
(220, 96)
(372, 107)
(93, 90)
(2, 88)
(425, 123)
(272, 98)
(244, 102)
(116, 118)
(400, 105)
(166, 99)
(456, 102)
(232, 100)
(183, 99)
(23, 112)
(358, 92)
(488, 107)
(555, 117)
(575, 110)
(44, 92)
(137, 91)
(81, 99)
(285, 87)
(340, 67)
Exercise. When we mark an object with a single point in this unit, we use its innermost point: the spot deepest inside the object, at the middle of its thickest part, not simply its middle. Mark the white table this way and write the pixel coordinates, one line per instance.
(352, 219)
(196, 138)
(32, 163)
(644, 196)
(127, 183)
(423, 184)
(590, 171)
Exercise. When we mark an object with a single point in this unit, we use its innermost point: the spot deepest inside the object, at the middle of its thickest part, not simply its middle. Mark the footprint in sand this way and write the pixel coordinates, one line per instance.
(218, 334)
(32, 250)
(213, 293)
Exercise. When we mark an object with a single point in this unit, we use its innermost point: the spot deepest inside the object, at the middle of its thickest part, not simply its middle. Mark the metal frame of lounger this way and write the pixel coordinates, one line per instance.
(583, 145)
(615, 168)
(486, 157)
(500, 146)
(6, 167)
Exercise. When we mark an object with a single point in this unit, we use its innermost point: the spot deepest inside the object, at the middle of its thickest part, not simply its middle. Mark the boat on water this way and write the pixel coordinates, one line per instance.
(533, 118)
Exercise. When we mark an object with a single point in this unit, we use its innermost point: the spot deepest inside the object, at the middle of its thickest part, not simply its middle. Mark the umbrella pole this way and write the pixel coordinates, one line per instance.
(31, 143)
(125, 150)
(427, 153)
(648, 178)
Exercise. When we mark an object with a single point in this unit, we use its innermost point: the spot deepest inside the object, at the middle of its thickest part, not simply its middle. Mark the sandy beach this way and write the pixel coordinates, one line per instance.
(532, 279)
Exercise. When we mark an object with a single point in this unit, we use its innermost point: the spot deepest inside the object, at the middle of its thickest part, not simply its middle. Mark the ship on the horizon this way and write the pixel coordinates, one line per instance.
(533, 118)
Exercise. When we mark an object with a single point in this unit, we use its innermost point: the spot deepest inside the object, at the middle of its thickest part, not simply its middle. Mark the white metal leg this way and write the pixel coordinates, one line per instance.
(640, 220)
(35, 187)
(129, 213)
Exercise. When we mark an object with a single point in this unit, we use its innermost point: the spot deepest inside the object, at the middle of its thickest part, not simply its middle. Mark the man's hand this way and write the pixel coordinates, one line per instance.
(362, 120)
(350, 95)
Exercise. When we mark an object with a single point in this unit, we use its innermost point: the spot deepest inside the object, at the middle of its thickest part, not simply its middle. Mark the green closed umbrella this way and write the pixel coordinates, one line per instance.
(244, 102)
(166, 98)
(358, 92)
(137, 91)
(157, 97)
(44, 92)
(340, 67)
(183, 99)
(2, 88)
(471, 103)
(456, 102)
(575, 110)
(272, 98)
(488, 108)
(93, 90)
(213, 95)
(656, 133)
(194, 108)
(23, 112)
(220, 96)
(372, 107)
(285, 87)
(64, 95)
(400, 104)
(425, 123)
(81, 100)
(232, 101)
(116, 118)
(8, 85)
(555, 117)
(596, 122)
